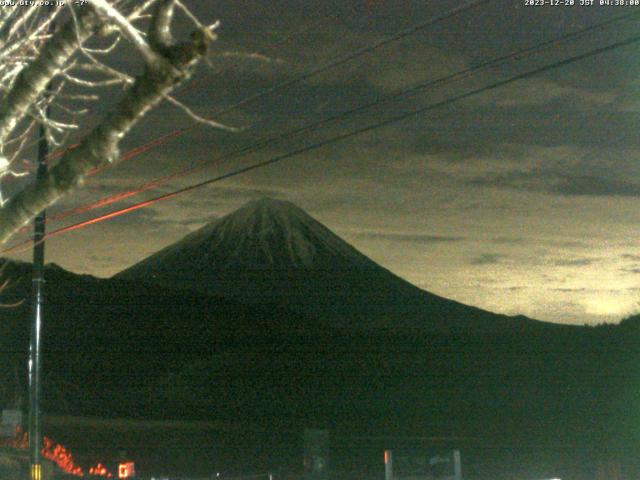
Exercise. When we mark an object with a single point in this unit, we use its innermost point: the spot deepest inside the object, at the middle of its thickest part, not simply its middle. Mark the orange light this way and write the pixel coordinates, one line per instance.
(50, 450)
(59, 455)
(386, 457)
(126, 470)
(99, 471)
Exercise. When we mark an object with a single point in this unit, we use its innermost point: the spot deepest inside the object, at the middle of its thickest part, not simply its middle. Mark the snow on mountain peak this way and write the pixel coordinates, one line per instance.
(262, 233)
(273, 232)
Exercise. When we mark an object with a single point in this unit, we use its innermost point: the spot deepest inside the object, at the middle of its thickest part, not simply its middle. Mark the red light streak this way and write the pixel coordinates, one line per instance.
(27, 243)
(176, 133)
(103, 202)
(149, 145)
(61, 152)
(109, 215)
(159, 181)
(160, 140)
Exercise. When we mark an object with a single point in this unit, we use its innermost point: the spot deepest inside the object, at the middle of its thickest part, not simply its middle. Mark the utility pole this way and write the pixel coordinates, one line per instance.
(37, 303)
(37, 298)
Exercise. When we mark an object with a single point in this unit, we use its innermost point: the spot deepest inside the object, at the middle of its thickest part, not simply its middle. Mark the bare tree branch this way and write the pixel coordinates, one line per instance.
(194, 116)
(127, 29)
(169, 66)
(160, 29)
(33, 79)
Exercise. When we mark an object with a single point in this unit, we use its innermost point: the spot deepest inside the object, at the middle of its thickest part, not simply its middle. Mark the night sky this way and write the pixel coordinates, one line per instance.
(520, 200)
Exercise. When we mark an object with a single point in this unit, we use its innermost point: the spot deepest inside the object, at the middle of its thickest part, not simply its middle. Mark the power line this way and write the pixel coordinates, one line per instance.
(259, 145)
(355, 54)
(301, 30)
(305, 76)
(337, 138)
(158, 140)
(324, 67)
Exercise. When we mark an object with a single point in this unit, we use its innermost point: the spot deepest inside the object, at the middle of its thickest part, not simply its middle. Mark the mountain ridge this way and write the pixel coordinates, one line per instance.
(272, 251)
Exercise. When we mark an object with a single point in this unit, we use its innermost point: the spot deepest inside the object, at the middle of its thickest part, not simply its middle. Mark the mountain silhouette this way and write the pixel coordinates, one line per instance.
(271, 251)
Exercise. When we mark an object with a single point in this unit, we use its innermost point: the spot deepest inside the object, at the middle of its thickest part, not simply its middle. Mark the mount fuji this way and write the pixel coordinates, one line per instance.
(272, 252)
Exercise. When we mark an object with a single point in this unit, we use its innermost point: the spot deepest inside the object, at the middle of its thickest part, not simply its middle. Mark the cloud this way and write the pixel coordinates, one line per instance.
(237, 193)
(508, 240)
(408, 237)
(412, 63)
(595, 186)
(541, 92)
(577, 262)
(184, 223)
(565, 170)
(562, 243)
(567, 185)
(487, 259)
